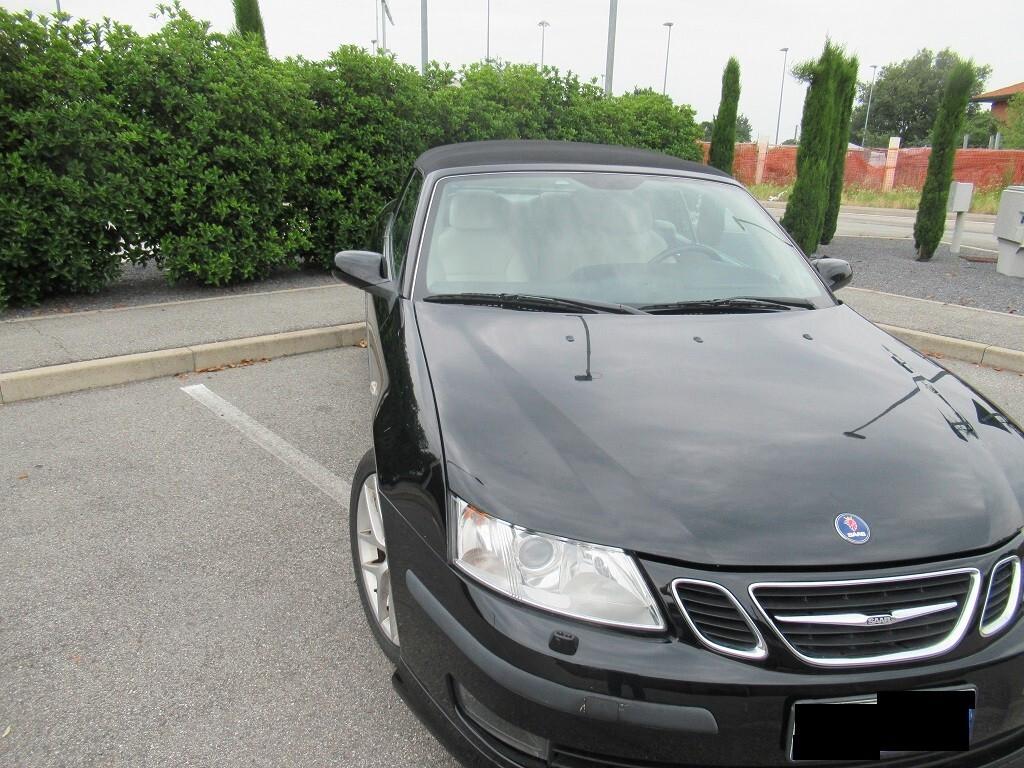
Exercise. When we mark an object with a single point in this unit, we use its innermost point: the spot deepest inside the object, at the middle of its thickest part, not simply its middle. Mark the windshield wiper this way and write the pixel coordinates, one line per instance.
(731, 304)
(535, 303)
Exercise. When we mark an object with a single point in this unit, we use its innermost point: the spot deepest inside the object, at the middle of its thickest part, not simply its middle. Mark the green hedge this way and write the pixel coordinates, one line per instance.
(66, 161)
(200, 152)
(373, 117)
(224, 149)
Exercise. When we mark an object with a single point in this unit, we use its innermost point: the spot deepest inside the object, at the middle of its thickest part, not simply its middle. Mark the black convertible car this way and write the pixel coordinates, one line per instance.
(644, 492)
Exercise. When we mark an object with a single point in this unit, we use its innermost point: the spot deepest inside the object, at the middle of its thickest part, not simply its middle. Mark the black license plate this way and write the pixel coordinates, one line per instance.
(890, 724)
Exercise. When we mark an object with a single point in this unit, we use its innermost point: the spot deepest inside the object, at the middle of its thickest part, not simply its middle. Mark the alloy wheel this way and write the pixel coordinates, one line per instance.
(373, 558)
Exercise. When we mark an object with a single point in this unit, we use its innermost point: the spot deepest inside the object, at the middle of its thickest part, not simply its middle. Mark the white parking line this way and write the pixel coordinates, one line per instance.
(311, 470)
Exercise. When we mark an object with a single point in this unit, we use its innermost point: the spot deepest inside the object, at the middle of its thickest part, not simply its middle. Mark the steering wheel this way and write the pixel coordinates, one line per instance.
(675, 251)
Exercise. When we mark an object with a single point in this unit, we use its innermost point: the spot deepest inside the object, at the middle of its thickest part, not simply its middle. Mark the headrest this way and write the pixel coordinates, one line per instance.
(711, 223)
(554, 210)
(478, 209)
(620, 213)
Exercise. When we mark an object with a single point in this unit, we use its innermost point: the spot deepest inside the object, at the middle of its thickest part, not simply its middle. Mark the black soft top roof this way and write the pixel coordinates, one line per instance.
(523, 152)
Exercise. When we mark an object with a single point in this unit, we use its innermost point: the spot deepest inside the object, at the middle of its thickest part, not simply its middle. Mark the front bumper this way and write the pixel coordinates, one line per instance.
(634, 700)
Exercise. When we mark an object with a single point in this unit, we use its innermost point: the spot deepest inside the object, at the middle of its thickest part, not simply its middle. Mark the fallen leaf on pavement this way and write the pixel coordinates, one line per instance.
(361, 343)
(23, 476)
(239, 364)
(6, 733)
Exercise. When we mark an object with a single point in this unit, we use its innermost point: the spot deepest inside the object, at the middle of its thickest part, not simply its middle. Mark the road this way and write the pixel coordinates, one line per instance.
(176, 595)
(899, 223)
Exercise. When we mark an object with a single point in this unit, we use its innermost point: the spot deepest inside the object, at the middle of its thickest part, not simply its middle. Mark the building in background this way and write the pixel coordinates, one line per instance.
(999, 99)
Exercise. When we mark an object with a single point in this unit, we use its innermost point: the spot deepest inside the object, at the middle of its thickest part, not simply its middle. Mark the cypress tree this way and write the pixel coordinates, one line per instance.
(723, 135)
(805, 212)
(931, 214)
(846, 90)
(249, 21)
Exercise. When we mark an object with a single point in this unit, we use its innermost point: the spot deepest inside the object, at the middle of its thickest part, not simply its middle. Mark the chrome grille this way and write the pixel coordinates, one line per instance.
(717, 619)
(860, 622)
(1003, 596)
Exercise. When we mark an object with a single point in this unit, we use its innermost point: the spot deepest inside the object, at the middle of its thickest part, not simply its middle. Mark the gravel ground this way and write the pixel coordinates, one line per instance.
(147, 285)
(889, 265)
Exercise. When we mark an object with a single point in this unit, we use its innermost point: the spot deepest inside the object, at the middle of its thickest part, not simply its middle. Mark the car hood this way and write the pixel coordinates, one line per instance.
(720, 439)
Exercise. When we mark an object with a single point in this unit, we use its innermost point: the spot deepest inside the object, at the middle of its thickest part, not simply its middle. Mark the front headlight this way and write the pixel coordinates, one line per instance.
(585, 581)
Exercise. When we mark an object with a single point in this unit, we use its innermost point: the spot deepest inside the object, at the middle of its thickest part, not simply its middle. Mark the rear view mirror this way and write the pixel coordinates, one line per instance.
(835, 272)
(365, 270)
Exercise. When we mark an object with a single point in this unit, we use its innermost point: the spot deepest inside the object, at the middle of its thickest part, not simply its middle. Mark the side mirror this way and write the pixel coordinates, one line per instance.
(835, 272)
(365, 270)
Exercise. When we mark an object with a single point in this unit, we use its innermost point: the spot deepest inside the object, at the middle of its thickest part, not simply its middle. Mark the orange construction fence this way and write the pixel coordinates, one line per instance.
(985, 168)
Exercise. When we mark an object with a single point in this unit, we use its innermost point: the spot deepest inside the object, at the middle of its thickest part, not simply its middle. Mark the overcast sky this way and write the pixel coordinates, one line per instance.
(704, 36)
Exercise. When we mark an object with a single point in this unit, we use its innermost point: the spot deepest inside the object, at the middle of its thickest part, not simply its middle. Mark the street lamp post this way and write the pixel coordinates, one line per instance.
(668, 47)
(782, 88)
(613, 11)
(385, 18)
(867, 114)
(424, 56)
(487, 55)
(543, 28)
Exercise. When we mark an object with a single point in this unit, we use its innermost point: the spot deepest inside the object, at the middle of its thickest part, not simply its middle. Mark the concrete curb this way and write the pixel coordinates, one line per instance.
(173, 303)
(933, 302)
(277, 345)
(959, 349)
(906, 213)
(90, 374)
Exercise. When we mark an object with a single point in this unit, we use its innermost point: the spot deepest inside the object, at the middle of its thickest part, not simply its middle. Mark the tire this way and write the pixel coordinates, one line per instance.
(369, 558)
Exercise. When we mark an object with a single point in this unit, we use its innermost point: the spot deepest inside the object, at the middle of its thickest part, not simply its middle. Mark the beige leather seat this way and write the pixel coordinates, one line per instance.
(711, 224)
(477, 245)
(623, 229)
(560, 246)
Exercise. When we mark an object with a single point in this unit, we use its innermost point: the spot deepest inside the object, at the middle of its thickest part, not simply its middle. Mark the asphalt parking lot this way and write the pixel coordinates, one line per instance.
(177, 588)
(175, 595)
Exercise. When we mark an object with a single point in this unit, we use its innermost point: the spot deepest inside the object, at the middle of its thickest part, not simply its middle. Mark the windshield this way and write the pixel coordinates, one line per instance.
(623, 238)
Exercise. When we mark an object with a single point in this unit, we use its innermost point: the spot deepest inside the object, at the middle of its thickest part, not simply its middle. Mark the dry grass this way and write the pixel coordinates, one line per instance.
(985, 200)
